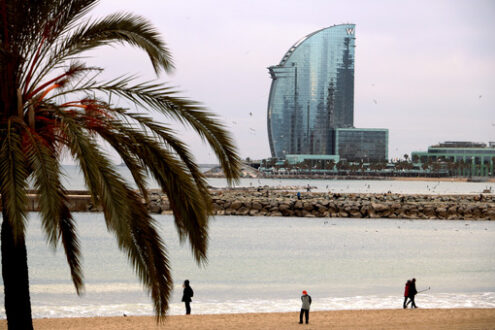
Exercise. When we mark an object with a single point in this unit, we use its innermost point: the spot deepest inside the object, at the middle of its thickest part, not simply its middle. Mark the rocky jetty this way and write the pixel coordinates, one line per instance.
(269, 202)
(252, 202)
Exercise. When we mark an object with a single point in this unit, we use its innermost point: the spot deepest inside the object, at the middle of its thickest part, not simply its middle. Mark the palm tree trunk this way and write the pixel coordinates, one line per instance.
(15, 278)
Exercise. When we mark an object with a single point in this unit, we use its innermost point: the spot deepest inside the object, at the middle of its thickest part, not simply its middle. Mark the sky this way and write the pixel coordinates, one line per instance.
(423, 69)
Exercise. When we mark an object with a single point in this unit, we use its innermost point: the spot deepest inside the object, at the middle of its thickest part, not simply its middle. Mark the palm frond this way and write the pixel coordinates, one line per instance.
(70, 242)
(163, 100)
(121, 28)
(135, 165)
(125, 215)
(13, 179)
(165, 135)
(147, 243)
(40, 24)
(190, 205)
(45, 169)
(56, 218)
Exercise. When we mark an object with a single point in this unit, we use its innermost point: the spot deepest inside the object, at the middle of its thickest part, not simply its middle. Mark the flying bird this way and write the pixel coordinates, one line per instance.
(374, 101)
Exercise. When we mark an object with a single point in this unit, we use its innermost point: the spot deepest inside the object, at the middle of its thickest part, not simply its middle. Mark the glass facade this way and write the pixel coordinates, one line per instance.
(312, 92)
(362, 144)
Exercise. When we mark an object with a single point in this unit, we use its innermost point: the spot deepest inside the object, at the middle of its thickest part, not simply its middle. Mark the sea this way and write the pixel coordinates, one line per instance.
(261, 264)
(73, 180)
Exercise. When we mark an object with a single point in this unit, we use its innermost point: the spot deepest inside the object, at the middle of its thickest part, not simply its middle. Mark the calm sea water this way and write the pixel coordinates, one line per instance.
(74, 181)
(262, 264)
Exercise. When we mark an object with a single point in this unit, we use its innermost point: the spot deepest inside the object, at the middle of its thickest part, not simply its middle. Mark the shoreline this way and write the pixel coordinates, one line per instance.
(462, 318)
(363, 178)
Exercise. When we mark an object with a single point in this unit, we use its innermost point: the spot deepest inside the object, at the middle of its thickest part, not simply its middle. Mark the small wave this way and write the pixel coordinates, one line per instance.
(438, 300)
(89, 288)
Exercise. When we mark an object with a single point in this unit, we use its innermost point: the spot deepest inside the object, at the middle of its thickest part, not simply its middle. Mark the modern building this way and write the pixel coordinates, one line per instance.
(471, 158)
(312, 95)
(361, 144)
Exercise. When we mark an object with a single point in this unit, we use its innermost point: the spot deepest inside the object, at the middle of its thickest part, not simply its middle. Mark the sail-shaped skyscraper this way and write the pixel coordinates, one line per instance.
(312, 96)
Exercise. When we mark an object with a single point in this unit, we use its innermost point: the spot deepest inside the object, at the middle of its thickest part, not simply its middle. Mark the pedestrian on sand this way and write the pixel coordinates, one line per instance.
(187, 295)
(412, 292)
(406, 293)
(306, 303)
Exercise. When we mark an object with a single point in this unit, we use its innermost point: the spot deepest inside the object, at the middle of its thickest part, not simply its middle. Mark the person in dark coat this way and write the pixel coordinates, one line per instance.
(412, 292)
(406, 293)
(306, 303)
(187, 295)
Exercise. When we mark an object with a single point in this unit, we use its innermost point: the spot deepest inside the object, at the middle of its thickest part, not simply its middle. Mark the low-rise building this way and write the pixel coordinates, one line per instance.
(466, 158)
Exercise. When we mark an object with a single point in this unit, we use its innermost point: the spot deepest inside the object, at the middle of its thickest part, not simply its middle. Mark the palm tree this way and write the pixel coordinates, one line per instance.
(51, 104)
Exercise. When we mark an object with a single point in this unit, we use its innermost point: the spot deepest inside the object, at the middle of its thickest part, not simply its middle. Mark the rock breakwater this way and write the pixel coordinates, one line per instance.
(254, 203)
(267, 202)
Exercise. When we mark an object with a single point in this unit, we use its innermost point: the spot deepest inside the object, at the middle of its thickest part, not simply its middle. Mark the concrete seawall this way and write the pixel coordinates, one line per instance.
(250, 202)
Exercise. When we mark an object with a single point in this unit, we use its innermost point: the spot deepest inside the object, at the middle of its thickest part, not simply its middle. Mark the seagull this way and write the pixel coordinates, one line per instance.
(480, 96)
(250, 113)
(374, 101)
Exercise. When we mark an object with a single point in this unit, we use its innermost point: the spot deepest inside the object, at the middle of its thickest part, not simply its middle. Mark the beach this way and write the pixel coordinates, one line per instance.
(349, 319)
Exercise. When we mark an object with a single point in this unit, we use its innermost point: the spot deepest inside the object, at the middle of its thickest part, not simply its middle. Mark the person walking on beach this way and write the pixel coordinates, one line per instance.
(406, 293)
(187, 295)
(306, 302)
(412, 292)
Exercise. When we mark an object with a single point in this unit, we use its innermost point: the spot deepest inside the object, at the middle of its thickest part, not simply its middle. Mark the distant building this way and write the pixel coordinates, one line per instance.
(472, 158)
(362, 144)
(296, 159)
(312, 95)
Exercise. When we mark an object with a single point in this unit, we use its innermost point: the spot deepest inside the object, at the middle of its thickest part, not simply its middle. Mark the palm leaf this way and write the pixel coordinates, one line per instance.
(118, 28)
(13, 177)
(70, 242)
(189, 204)
(57, 220)
(135, 235)
(161, 98)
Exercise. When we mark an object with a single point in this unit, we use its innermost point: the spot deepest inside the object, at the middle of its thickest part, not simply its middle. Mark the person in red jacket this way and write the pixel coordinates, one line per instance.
(406, 293)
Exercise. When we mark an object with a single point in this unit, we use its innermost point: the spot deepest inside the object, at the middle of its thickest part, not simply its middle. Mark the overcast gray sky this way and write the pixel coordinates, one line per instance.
(423, 69)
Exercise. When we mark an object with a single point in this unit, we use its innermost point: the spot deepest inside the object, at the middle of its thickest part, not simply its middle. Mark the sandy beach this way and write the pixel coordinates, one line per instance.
(355, 319)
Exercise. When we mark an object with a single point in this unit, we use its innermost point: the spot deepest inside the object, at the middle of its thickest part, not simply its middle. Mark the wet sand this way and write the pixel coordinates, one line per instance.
(356, 319)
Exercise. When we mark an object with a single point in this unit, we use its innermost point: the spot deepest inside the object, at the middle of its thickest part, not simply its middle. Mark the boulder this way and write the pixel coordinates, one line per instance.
(441, 212)
(379, 207)
(308, 206)
(235, 205)
(256, 206)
